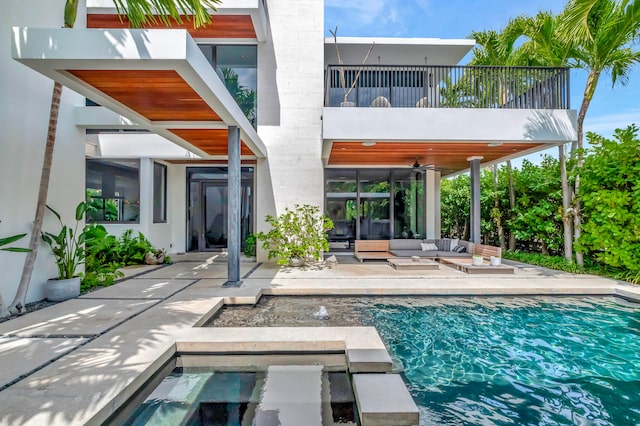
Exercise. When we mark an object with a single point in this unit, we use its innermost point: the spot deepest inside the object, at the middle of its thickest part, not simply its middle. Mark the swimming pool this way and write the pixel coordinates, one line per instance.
(524, 360)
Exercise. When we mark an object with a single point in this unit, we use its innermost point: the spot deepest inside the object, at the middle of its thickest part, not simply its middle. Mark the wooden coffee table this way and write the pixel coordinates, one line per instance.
(401, 263)
(465, 265)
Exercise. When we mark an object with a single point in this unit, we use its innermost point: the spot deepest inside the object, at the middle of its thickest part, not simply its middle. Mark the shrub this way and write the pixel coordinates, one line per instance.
(300, 233)
(250, 246)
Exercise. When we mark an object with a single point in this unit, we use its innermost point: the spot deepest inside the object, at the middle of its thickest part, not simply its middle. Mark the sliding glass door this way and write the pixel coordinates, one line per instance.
(374, 204)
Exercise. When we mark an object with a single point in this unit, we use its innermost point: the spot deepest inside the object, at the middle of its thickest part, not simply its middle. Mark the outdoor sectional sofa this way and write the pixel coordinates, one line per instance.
(384, 249)
(445, 246)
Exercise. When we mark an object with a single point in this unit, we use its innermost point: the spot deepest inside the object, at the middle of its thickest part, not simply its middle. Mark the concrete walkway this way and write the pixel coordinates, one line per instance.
(76, 362)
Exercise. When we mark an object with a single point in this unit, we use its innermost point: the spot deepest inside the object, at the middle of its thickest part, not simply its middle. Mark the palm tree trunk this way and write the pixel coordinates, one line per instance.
(592, 82)
(512, 205)
(496, 206)
(17, 306)
(566, 206)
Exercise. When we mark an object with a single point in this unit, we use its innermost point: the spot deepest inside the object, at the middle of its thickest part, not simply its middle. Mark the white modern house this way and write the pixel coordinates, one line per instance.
(193, 136)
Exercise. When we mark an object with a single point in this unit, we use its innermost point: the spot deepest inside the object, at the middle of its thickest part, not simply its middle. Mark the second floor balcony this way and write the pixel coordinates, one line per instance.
(435, 86)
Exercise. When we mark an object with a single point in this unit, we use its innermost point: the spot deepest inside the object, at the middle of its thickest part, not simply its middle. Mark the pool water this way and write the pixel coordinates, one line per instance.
(498, 361)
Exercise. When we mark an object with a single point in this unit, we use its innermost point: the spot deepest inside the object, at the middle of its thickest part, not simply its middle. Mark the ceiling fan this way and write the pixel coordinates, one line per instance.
(416, 166)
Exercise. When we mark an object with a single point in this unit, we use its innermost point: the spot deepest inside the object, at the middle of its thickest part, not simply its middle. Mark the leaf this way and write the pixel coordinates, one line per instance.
(9, 240)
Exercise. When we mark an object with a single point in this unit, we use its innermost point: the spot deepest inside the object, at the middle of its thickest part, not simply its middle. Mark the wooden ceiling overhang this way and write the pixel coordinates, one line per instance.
(157, 78)
(450, 157)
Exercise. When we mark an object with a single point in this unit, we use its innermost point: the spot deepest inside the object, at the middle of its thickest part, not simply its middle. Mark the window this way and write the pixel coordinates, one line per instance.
(237, 67)
(159, 193)
(113, 191)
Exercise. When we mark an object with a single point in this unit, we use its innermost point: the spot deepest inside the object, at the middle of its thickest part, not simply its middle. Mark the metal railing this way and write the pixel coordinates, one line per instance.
(435, 86)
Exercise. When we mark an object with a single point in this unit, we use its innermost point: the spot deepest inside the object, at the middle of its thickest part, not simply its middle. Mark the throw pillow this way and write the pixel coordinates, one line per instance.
(454, 243)
(428, 247)
(443, 244)
(460, 249)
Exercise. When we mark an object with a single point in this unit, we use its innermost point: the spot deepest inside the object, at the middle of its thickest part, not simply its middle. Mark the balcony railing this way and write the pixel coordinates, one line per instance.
(435, 86)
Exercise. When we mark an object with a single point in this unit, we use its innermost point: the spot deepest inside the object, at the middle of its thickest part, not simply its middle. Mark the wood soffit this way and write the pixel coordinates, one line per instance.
(211, 141)
(448, 157)
(158, 95)
(222, 26)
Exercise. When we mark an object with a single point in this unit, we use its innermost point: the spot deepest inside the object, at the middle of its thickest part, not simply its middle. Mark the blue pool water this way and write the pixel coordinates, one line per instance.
(493, 361)
(533, 361)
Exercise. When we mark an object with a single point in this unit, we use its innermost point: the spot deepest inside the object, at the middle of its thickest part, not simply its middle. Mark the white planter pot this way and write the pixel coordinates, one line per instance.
(295, 262)
(59, 290)
(495, 261)
(477, 261)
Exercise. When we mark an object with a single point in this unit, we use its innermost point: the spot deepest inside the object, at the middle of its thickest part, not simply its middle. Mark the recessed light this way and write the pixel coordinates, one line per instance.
(368, 143)
(494, 144)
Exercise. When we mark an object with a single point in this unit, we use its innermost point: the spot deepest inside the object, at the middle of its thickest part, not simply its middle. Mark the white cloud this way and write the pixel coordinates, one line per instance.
(375, 17)
(605, 124)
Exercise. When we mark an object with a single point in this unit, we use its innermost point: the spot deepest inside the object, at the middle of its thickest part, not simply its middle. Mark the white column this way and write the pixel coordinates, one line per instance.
(432, 203)
(233, 212)
(475, 198)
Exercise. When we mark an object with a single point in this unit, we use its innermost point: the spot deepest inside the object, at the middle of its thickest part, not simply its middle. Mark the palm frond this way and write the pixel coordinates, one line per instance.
(143, 12)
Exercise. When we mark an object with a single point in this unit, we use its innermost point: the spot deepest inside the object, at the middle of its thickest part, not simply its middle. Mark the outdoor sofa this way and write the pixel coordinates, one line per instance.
(444, 247)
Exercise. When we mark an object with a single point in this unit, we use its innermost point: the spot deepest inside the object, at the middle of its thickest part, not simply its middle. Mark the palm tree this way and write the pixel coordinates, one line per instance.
(547, 48)
(139, 13)
(500, 49)
(603, 33)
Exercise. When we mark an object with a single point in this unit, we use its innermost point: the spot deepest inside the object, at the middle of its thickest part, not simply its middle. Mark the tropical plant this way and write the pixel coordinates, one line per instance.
(300, 233)
(138, 12)
(67, 246)
(603, 33)
(611, 199)
(455, 205)
(250, 246)
(3, 243)
(101, 268)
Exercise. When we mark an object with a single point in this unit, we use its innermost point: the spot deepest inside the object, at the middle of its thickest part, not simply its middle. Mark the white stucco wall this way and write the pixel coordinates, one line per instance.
(24, 111)
(444, 124)
(290, 100)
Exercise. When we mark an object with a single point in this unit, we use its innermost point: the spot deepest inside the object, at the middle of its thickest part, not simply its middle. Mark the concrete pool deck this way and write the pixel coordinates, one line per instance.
(76, 362)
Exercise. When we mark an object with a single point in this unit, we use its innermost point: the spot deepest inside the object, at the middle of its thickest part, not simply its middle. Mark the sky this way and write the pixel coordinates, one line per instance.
(611, 108)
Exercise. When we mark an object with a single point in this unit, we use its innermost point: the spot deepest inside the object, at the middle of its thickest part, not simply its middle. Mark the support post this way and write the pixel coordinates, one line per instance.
(233, 208)
(432, 203)
(475, 198)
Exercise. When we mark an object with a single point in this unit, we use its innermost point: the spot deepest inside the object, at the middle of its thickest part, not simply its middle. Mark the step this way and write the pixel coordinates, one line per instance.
(383, 399)
(291, 396)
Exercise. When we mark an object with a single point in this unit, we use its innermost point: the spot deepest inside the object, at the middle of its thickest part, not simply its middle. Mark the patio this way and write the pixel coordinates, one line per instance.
(77, 361)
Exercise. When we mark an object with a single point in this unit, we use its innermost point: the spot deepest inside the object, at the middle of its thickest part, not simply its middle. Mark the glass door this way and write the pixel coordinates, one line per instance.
(207, 209)
(214, 214)
(375, 206)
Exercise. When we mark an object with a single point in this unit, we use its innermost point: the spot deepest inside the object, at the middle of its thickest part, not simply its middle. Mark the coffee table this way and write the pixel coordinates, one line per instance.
(465, 265)
(401, 263)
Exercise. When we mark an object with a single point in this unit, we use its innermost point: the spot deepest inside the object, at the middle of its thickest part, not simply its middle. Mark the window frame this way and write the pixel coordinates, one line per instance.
(164, 209)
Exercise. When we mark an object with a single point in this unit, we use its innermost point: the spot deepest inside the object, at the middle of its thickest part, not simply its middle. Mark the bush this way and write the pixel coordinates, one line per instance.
(300, 233)
(105, 254)
(250, 245)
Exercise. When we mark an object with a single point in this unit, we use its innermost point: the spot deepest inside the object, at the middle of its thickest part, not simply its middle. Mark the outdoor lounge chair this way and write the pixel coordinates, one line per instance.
(423, 103)
(381, 101)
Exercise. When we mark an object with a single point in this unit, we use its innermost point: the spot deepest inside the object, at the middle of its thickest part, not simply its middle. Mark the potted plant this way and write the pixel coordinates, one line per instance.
(495, 260)
(477, 260)
(68, 250)
(343, 82)
(297, 235)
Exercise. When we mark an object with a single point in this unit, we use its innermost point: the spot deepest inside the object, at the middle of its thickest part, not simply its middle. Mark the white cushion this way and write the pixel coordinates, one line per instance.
(429, 247)
(454, 243)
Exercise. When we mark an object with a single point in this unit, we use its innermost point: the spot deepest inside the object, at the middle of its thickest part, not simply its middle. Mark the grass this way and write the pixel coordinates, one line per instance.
(559, 263)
